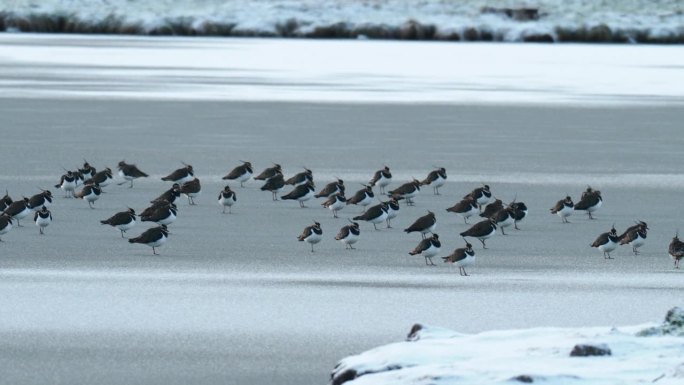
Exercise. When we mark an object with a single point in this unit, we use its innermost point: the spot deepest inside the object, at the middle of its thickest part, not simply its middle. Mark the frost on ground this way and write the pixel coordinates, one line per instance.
(433, 355)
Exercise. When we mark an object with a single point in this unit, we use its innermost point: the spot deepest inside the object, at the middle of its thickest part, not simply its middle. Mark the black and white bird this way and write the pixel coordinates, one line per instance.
(311, 235)
(41, 199)
(18, 210)
(428, 248)
(676, 249)
(363, 197)
(101, 178)
(607, 242)
(408, 191)
(191, 190)
(301, 193)
(274, 184)
(169, 195)
(349, 235)
(332, 188)
(68, 184)
(90, 193)
(5, 201)
(227, 198)
(181, 175)
(462, 257)
(436, 179)
(481, 230)
(481, 195)
(130, 172)
(466, 208)
(42, 218)
(425, 224)
(375, 214)
(5, 224)
(381, 178)
(162, 215)
(335, 203)
(241, 173)
(87, 171)
(270, 173)
(156, 204)
(392, 210)
(590, 202)
(564, 208)
(492, 208)
(153, 237)
(504, 218)
(304, 177)
(123, 221)
(519, 212)
(635, 236)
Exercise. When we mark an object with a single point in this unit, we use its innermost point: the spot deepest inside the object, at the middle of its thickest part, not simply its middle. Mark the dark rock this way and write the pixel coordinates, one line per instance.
(673, 325)
(582, 350)
(539, 38)
(341, 378)
(518, 14)
(413, 334)
(523, 378)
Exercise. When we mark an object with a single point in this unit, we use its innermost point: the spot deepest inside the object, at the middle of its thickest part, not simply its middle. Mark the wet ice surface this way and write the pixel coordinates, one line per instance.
(236, 299)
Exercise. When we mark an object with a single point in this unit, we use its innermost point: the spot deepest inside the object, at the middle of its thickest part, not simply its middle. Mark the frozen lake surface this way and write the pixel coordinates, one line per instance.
(235, 298)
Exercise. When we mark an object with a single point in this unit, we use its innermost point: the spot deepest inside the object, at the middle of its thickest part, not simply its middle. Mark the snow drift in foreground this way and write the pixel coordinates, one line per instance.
(433, 355)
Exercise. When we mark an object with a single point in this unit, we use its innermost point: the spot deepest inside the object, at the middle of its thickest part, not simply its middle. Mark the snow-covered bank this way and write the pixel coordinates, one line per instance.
(636, 21)
(433, 355)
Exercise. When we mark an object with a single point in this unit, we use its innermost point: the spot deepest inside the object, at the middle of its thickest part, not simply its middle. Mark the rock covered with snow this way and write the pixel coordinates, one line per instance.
(438, 356)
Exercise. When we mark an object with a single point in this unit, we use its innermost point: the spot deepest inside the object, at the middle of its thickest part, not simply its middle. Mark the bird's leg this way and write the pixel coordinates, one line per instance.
(41, 230)
(388, 224)
(312, 248)
(351, 247)
(154, 251)
(483, 244)
(90, 204)
(590, 216)
(131, 185)
(502, 231)
(122, 235)
(426, 261)
(375, 226)
(515, 225)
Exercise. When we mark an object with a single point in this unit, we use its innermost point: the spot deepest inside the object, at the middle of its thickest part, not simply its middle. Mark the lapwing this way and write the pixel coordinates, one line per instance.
(130, 172)
(275, 185)
(676, 249)
(227, 198)
(270, 173)
(181, 175)
(162, 215)
(335, 203)
(169, 195)
(590, 202)
(564, 208)
(154, 207)
(481, 195)
(42, 218)
(408, 191)
(101, 178)
(241, 173)
(375, 214)
(363, 197)
(68, 184)
(481, 230)
(332, 188)
(153, 237)
(392, 210)
(436, 179)
(123, 221)
(492, 208)
(191, 190)
(349, 235)
(5, 224)
(635, 237)
(425, 224)
(304, 177)
(466, 208)
(428, 248)
(90, 193)
(5, 201)
(41, 199)
(18, 210)
(607, 242)
(311, 235)
(462, 257)
(519, 212)
(381, 178)
(504, 218)
(638, 225)
(301, 193)
(87, 171)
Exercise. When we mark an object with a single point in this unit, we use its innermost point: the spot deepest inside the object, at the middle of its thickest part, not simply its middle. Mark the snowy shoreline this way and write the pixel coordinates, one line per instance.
(650, 22)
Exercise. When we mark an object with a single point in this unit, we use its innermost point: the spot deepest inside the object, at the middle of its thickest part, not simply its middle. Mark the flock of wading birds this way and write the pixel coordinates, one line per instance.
(86, 183)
